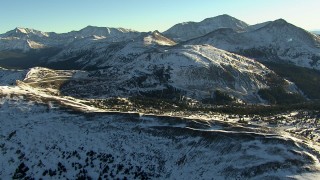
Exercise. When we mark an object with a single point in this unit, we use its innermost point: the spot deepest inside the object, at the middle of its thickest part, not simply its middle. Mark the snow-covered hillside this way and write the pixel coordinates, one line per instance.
(188, 30)
(192, 71)
(276, 41)
(39, 141)
(44, 134)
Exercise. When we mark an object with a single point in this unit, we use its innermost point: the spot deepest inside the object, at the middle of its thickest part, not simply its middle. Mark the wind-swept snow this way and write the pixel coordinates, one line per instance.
(40, 142)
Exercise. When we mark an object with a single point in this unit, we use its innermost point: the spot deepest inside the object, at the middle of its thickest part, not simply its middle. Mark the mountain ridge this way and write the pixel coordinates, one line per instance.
(51, 39)
(146, 61)
(276, 41)
(184, 31)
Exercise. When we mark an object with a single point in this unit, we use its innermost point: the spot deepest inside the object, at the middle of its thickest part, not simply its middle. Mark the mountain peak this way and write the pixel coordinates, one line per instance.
(158, 38)
(280, 21)
(224, 16)
(156, 32)
(104, 30)
(27, 30)
(224, 19)
(279, 24)
(21, 30)
(89, 27)
(190, 30)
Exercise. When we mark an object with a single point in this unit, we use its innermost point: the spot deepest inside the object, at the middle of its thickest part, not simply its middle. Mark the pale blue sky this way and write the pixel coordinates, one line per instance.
(148, 15)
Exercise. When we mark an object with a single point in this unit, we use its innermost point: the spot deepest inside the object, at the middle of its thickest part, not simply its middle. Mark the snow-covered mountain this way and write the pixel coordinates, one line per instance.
(20, 32)
(191, 71)
(112, 34)
(93, 52)
(189, 30)
(276, 41)
(150, 63)
(26, 39)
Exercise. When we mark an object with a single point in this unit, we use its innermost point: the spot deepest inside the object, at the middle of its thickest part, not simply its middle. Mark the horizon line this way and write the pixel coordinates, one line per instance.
(131, 29)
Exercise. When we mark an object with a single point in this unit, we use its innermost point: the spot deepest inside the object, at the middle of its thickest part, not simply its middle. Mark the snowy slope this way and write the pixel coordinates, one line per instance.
(39, 141)
(13, 43)
(276, 41)
(190, 30)
(93, 52)
(193, 71)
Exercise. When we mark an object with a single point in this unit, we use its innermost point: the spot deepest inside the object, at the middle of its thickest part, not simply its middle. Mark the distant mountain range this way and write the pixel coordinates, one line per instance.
(272, 41)
(26, 39)
(184, 58)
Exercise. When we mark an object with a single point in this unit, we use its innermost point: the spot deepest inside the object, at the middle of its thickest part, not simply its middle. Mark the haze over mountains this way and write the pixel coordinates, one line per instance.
(277, 40)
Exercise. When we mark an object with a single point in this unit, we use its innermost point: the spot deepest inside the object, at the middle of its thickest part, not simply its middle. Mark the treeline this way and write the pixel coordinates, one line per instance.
(278, 95)
(264, 110)
(159, 106)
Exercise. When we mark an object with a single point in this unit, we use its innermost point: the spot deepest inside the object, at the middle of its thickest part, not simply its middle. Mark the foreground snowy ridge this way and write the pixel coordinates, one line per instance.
(41, 143)
(44, 135)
